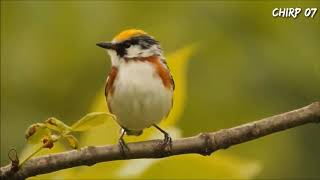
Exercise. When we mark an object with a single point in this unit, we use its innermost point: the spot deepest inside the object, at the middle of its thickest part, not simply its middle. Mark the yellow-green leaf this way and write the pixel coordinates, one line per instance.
(91, 120)
(178, 62)
(57, 125)
(36, 132)
(72, 141)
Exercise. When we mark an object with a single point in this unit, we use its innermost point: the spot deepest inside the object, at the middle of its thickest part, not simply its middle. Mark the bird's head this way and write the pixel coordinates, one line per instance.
(131, 44)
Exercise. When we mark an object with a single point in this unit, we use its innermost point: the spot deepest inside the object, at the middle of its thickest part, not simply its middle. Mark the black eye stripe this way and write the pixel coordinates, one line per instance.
(145, 42)
(121, 49)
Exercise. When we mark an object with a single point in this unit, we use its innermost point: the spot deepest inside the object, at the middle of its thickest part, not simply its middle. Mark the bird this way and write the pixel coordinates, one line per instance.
(139, 88)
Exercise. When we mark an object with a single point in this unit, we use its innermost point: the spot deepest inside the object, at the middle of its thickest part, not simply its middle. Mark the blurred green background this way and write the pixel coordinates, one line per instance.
(248, 65)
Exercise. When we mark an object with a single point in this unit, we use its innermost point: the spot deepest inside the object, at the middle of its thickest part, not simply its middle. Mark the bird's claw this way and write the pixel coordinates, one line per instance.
(166, 145)
(167, 142)
(122, 144)
(123, 147)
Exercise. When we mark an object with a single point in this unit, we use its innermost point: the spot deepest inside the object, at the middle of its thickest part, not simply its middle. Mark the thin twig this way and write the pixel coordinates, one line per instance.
(204, 143)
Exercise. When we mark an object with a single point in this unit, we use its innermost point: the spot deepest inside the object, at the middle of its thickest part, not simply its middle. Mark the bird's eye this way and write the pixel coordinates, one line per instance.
(126, 44)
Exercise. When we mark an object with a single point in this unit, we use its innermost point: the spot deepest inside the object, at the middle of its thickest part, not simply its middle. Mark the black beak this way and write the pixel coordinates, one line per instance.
(106, 45)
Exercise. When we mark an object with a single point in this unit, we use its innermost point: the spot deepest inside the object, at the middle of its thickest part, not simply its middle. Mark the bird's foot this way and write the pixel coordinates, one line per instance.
(166, 145)
(123, 148)
(122, 144)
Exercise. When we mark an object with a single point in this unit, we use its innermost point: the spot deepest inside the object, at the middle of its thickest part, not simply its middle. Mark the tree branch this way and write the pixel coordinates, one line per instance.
(204, 143)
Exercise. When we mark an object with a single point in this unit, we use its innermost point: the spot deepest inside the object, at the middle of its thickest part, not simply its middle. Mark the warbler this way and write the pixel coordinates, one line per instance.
(139, 88)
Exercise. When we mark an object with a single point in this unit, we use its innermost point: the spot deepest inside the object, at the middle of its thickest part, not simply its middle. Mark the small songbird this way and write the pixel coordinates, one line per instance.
(139, 88)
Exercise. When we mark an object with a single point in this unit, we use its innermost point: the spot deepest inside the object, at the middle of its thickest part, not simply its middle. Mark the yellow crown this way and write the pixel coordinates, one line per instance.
(126, 34)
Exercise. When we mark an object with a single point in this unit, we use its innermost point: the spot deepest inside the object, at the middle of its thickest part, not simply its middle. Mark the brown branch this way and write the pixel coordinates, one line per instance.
(204, 143)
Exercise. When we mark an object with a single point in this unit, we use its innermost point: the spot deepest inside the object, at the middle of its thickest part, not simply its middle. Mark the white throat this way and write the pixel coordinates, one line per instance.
(115, 60)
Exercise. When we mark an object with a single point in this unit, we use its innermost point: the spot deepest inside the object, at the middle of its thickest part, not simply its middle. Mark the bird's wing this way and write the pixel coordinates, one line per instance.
(109, 84)
(171, 77)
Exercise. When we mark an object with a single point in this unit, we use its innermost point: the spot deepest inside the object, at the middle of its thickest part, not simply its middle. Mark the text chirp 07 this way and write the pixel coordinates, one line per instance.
(293, 12)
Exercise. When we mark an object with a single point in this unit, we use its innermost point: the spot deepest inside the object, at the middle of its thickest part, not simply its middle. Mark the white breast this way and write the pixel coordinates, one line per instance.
(140, 98)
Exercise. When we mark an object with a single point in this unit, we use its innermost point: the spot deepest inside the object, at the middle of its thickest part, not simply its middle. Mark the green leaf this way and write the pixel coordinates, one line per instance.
(36, 132)
(57, 125)
(178, 64)
(91, 120)
(72, 141)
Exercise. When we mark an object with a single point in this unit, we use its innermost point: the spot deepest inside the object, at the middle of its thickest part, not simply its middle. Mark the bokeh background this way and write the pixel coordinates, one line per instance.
(247, 65)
